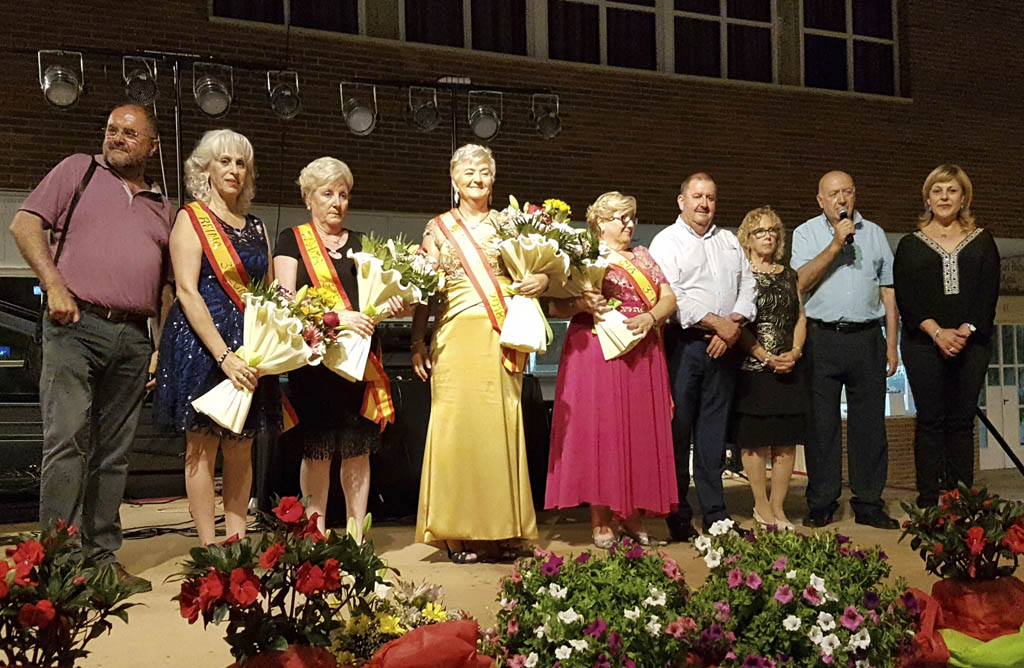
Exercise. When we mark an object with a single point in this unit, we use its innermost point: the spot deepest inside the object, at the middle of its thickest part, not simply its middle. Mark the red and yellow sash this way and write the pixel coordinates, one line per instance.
(219, 252)
(639, 279)
(377, 406)
(231, 274)
(478, 269)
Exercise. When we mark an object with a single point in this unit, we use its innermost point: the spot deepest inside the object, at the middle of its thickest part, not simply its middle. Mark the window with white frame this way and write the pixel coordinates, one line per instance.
(331, 15)
(729, 39)
(850, 45)
(483, 25)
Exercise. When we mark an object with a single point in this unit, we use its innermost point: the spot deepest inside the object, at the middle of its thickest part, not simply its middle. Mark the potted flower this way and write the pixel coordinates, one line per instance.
(279, 591)
(624, 608)
(796, 600)
(972, 540)
(51, 604)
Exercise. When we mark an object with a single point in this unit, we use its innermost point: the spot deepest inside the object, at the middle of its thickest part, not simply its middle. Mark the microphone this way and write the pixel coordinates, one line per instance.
(844, 215)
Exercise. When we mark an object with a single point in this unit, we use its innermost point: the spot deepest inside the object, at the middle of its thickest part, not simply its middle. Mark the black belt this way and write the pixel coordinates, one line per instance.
(694, 334)
(114, 315)
(844, 327)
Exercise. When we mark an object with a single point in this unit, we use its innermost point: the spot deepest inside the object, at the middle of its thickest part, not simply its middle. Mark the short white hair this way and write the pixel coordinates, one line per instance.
(323, 171)
(214, 144)
(472, 153)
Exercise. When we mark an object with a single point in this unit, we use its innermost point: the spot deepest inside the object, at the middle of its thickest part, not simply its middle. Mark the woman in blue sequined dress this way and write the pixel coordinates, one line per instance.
(204, 327)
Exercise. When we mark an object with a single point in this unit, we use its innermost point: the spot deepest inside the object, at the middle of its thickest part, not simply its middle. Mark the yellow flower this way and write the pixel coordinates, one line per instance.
(435, 612)
(389, 625)
(346, 658)
(358, 625)
(556, 205)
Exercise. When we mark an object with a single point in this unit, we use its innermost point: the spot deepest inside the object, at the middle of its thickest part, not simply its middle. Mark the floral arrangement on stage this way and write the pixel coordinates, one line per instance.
(51, 605)
(282, 589)
(799, 600)
(626, 608)
(393, 612)
(274, 340)
(968, 534)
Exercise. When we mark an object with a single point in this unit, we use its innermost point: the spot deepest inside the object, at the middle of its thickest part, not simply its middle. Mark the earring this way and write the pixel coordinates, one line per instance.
(456, 198)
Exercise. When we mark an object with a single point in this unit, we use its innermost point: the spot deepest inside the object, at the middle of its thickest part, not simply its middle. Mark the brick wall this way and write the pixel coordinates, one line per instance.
(634, 131)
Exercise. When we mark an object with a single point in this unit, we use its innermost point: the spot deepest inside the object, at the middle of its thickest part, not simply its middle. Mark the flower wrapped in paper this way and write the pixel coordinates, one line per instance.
(272, 341)
(379, 279)
(616, 338)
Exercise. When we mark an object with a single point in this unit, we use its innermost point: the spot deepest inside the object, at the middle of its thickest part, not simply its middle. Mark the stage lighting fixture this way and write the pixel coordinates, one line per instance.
(139, 79)
(423, 111)
(283, 90)
(213, 86)
(61, 85)
(545, 115)
(484, 120)
(360, 116)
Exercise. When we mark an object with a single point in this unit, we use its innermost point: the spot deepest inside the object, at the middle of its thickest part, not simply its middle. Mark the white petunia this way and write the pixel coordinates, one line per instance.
(569, 616)
(721, 527)
(826, 621)
(557, 591)
(815, 634)
(862, 663)
(860, 640)
(829, 596)
(654, 626)
(563, 652)
(503, 602)
(829, 644)
(531, 661)
(791, 623)
(817, 583)
(656, 599)
(633, 614)
(539, 631)
(541, 590)
(702, 543)
(791, 575)
(579, 644)
(713, 558)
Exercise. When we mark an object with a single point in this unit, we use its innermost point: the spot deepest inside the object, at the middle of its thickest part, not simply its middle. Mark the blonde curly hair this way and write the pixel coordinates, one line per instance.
(750, 223)
(214, 144)
(606, 206)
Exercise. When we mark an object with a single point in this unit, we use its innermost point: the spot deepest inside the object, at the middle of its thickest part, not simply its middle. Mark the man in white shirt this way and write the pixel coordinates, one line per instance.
(714, 289)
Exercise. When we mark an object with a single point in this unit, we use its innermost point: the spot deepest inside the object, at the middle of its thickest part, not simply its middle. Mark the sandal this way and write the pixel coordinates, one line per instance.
(604, 541)
(463, 556)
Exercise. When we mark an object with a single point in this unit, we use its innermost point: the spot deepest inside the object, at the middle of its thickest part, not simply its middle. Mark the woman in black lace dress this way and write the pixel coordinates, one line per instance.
(770, 401)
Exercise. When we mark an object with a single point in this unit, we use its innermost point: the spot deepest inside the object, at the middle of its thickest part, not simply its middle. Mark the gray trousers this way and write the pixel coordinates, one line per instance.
(91, 389)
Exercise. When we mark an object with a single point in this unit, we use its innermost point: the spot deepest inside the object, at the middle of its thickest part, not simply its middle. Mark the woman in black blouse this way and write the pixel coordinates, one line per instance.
(946, 277)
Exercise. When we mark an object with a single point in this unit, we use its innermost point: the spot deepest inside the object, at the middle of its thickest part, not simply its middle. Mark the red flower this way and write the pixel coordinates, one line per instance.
(289, 510)
(938, 549)
(30, 553)
(332, 575)
(331, 320)
(189, 602)
(22, 571)
(1015, 538)
(270, 556)
(309, 579)
(4, 587)
(211, 589)
(975, 540)
(80, 580)
(40, 614)
(230, 540)
(310, 528)
(245, 587)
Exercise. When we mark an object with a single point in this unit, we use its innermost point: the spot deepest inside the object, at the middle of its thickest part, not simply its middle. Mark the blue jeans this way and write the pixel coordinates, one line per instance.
(91, 390)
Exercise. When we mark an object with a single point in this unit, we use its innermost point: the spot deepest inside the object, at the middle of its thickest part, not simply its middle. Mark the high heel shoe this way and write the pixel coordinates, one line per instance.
(760, 520)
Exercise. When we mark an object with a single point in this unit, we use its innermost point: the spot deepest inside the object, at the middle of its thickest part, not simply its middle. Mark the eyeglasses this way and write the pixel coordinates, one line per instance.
(762, 232)
(129, 134)
(624, 220)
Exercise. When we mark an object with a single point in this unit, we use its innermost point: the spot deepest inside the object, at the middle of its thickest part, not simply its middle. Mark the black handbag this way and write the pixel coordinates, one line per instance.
(34, 356)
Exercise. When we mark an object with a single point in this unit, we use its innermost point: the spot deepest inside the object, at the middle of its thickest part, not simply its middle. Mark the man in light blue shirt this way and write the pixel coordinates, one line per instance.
(844, 268)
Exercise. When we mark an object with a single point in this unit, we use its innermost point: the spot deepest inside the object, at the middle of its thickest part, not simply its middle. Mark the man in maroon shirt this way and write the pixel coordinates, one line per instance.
(96, 346)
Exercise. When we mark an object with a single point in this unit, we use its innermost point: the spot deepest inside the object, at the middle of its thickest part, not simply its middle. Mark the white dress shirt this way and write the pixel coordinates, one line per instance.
(708, 274)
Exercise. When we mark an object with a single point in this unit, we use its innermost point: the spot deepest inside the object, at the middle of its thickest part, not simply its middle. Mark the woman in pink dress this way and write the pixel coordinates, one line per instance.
(611, 436)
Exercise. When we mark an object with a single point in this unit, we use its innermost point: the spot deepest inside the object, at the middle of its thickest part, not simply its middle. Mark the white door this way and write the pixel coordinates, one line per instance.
(1003, 397)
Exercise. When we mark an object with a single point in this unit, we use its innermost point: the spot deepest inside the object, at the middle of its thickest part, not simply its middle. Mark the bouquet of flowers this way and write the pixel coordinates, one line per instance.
(615, 337)
(281, 589)
(51, 604)
(625, 608)
(798, 600)
(393, 612)
(530, 245)
(273, 340)
(385, 268)
(967, 534)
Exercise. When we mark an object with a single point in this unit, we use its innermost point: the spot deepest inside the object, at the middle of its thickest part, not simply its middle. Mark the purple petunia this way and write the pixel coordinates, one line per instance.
(602, 661)
(735, 578)
(635, 552)
(910, 603)
(583, 558)
(552, 566)
(711, 634)
(780, 563)
(851, 618)
(753, 580)
(732, 560)
(872, 600)
(783, 594)
(596, 628)
(614, 641)
(841, 539)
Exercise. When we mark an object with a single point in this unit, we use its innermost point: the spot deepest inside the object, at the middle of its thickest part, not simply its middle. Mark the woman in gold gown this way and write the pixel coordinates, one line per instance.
(475, 487)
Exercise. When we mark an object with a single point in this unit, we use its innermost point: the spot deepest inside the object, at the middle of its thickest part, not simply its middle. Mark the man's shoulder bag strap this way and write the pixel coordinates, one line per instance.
(62, 236)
